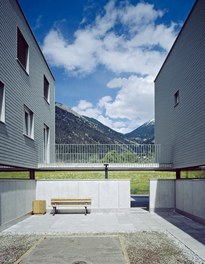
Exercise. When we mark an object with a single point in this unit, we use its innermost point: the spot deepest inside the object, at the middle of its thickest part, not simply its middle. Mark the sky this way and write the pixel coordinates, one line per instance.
(105, 54)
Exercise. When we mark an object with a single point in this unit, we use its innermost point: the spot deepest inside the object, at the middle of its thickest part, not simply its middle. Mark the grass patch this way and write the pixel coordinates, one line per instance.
(139, 179)
(14, 175)
(192, 174)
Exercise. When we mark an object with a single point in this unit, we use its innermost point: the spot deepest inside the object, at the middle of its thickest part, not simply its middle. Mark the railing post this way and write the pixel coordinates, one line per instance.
(106, 170)
(178, 174)
(32, 174)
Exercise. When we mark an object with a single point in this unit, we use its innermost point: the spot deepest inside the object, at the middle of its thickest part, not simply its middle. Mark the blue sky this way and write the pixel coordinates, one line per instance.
(105, 54)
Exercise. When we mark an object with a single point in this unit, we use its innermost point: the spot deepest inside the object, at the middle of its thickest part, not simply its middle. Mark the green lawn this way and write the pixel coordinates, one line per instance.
(14, 175)
(139, 179)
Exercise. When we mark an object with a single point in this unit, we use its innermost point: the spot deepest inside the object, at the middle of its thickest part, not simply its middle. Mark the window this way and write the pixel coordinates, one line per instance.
(46, 144)
(2, 102)
(46, 90)
(22, 50)
(28, 122)
(176, 98)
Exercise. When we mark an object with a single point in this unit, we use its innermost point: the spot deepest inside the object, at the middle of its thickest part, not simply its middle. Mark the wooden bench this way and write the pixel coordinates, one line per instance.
(71, 202)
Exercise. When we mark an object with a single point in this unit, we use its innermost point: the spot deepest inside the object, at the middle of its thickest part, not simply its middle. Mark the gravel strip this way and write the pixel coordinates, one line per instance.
(12, 247)
(142, 247)
(155, 247)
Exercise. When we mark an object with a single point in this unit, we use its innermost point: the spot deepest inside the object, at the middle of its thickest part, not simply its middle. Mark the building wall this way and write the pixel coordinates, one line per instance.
(22, 89)
(105, 194)
(16, 198)
(182, 126)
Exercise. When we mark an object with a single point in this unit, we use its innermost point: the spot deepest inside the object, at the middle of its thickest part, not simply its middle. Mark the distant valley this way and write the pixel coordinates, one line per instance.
(72, 128)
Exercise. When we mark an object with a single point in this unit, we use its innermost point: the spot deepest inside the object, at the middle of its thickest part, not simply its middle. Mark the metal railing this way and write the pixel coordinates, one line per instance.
(112, 153)
(107, 153)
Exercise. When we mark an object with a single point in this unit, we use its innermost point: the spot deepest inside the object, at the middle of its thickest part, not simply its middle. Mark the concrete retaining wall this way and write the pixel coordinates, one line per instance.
(16, 198)
(162, 195)
(190, 198)
(185, 196)
(105, 194)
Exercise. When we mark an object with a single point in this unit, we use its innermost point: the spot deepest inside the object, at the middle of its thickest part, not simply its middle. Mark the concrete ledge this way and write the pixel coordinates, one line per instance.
(13, 222)
(157, 210)
(193, 217)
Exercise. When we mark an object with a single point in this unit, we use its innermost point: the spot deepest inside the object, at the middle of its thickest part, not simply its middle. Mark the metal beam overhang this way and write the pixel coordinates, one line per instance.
(101, 167)
(6, 167)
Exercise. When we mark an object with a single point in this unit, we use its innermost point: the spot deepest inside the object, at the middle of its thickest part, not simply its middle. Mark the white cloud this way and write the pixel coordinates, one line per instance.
(132, 106)
(137, 48)
(134, 100)
(84, 105)
(74, 57)
(86, 108)
(104, 101)
(100, 43)
(139, 16)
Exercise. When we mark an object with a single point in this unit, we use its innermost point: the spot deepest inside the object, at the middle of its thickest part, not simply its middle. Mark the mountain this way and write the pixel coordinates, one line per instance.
(143, 134)
(72, 128)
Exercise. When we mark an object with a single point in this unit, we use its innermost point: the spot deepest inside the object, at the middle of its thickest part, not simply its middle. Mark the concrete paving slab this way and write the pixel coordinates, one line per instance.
(77, 250)
(190, 233)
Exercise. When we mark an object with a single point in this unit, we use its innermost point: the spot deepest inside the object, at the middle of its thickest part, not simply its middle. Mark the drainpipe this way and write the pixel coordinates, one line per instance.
(106, 170)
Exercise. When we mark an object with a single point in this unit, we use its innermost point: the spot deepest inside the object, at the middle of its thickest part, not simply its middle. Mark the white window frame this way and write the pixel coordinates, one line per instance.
(2, 102)
(46, 89)
(20, 35)
(46, 144)
(28, 123)
(176, 98)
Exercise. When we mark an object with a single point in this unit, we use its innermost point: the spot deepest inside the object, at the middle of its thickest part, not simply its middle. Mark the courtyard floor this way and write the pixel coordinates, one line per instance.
(111, 225)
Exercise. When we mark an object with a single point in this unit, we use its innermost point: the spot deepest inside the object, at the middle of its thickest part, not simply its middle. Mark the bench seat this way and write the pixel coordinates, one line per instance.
(70, 202)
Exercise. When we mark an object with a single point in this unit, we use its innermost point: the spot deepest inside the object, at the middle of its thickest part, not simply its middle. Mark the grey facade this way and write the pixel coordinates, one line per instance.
(27, 110)
(180, 94)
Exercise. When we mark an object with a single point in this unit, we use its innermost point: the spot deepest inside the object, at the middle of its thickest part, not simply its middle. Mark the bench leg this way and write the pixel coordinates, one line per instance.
(86, 210)
(54, 210)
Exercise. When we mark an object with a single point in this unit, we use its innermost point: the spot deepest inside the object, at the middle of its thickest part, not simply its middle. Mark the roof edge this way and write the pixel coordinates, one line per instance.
(176, 39)
(35, 39)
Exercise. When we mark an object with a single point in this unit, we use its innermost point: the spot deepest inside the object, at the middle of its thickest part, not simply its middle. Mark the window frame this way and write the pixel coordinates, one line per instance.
(46, 89)
(28, 122)
(46, 144)
(22, 55)
(176, 98)
(2, 103)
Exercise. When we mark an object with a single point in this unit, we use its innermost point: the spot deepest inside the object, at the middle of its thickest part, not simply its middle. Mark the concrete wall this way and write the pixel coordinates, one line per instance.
(162, 195)
(16, 198)
(185, 196)
(105, 194)
(190, 198)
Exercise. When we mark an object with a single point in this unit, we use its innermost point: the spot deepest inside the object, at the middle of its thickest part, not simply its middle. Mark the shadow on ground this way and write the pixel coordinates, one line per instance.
(192, 228)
